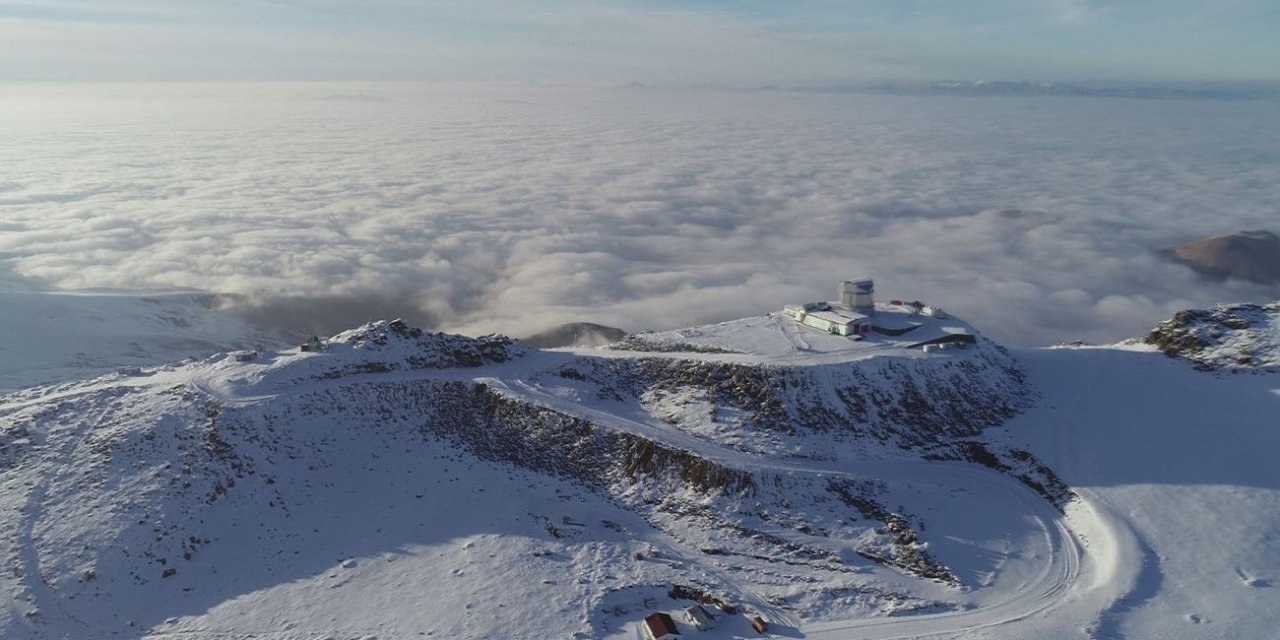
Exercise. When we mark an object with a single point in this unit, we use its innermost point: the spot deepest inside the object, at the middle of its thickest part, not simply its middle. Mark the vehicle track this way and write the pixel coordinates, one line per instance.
(1060, 546)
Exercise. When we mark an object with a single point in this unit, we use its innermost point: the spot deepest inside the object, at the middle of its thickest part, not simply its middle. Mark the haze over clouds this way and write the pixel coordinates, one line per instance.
(654, 41)
(510, 209)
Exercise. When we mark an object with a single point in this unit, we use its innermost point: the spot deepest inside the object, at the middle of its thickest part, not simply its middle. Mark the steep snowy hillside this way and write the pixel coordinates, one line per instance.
(397, 483)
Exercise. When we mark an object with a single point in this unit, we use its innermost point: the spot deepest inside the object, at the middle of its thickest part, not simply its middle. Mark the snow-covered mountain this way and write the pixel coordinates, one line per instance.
(921, 481)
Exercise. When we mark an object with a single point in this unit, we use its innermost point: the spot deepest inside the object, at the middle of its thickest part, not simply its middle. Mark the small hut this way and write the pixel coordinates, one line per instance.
(759, 625)
(660, 626)
(699, 618)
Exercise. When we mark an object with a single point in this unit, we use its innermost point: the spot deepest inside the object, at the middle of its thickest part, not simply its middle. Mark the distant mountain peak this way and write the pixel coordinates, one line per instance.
(575, 334)
(1247, 255)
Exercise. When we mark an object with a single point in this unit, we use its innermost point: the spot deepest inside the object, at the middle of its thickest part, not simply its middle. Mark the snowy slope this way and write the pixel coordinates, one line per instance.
(408, 484)
(60, 336)
(1183, 463)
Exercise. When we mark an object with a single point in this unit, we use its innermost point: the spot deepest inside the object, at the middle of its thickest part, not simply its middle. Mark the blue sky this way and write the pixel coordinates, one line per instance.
(742, 42)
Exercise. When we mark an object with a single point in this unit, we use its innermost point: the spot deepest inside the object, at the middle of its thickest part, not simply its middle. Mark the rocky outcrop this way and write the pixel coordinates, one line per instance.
(910, 402)
(382, 347)
(496, 427)
(1237, 337)
(1013, 462)
(906, 551)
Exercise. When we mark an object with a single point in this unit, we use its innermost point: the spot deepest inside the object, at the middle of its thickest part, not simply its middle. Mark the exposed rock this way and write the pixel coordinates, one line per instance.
(1239, 336)
(1014, 462)
(641, 344)
(382, 347)
(909, 402)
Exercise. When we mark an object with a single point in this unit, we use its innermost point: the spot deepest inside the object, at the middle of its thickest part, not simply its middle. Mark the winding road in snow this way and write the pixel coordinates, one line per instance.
(1060, 581)
(1061, 549)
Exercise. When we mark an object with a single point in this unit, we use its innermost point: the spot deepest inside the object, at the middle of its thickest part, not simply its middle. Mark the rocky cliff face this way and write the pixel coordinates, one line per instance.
(777, 409)
(1231, 337)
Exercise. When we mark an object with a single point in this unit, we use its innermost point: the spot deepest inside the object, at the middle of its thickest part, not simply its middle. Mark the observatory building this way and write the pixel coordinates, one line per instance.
(858, 295)
(854, 314)
(846, 318)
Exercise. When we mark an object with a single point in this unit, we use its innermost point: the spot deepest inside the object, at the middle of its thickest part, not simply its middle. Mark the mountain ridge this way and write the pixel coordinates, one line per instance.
(826, 484)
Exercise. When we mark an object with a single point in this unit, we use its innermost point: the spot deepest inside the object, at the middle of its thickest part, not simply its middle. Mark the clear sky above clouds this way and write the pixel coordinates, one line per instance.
(663, 41)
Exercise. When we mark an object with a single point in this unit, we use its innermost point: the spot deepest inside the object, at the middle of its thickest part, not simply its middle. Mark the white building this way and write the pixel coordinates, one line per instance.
(699, 618)
(838, 320)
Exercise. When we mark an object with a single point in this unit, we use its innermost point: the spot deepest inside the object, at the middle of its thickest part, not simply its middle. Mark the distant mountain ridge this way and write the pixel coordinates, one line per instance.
(996, 88)
(1247, 255)
(575, 334)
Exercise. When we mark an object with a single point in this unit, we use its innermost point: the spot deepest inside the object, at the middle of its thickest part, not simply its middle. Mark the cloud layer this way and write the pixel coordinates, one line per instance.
(511, 209)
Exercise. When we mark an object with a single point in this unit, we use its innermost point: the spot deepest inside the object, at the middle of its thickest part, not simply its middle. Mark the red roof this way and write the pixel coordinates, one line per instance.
(660, 624)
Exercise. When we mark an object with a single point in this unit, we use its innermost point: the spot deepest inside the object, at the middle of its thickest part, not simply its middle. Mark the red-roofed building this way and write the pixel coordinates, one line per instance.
(759, 624)
(660, 626)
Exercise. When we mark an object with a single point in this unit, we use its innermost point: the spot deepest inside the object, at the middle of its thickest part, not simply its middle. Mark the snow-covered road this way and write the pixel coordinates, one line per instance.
(1065, 575)
(1058, 580)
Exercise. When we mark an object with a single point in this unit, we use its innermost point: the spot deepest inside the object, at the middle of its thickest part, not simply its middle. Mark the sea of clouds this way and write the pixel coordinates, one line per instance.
(512, 209)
